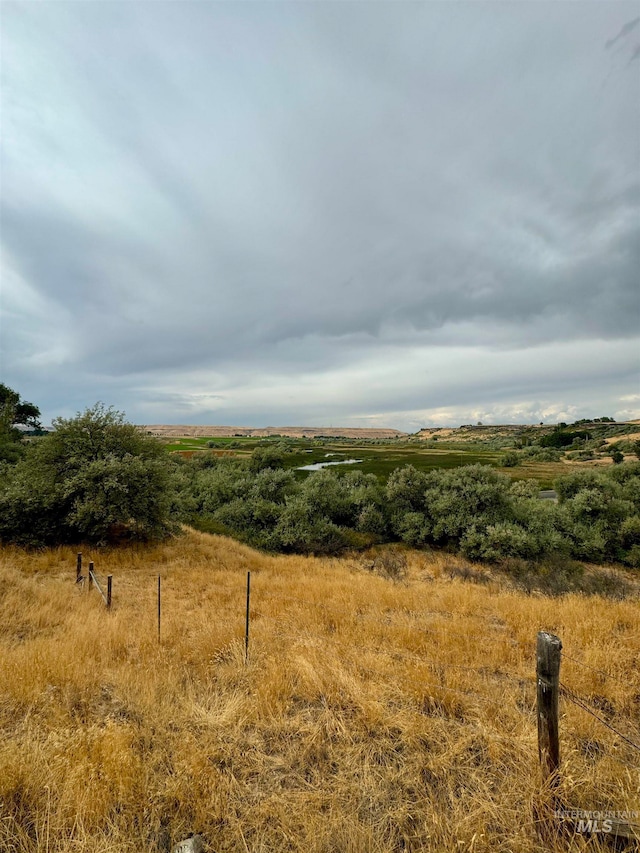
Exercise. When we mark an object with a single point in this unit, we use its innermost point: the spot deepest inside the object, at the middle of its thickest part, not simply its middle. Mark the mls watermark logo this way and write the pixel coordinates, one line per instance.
(594, 822)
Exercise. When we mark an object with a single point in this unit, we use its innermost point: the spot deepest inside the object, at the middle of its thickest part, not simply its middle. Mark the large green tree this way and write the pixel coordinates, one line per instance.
(96, 478)
(13, 411)
(19, 410)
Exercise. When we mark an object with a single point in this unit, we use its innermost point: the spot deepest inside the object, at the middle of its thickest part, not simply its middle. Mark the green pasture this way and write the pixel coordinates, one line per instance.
(379, 459)
(200, 443)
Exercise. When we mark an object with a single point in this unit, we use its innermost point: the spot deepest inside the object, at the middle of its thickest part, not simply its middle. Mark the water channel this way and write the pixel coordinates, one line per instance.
(317, 465)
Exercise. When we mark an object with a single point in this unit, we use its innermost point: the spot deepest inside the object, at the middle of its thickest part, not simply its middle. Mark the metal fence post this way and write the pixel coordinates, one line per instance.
(246, 627)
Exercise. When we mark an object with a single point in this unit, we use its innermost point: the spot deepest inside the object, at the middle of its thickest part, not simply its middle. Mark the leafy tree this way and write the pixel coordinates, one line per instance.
(18, 410)
(95, 478)
(14, 411)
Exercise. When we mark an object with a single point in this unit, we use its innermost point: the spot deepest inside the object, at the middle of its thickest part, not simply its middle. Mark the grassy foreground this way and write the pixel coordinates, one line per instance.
(371, 716)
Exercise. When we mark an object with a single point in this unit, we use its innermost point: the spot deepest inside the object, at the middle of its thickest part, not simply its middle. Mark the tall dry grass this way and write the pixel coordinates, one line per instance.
(371, 715)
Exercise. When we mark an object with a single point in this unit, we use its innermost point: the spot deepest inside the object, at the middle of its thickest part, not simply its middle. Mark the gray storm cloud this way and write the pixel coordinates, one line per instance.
(624, 31)
(217, 208)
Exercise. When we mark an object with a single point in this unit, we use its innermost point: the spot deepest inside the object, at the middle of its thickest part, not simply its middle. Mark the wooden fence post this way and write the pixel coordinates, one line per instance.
(548, 689)
(90, 575)
(109, 588)
(79, 568)
(553, 816)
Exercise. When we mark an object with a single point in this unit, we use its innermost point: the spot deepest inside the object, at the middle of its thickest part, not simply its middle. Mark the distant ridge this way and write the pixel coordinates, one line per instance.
(186, 431)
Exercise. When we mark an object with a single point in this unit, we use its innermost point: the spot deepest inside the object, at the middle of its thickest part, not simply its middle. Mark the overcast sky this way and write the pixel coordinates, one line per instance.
(397, 214)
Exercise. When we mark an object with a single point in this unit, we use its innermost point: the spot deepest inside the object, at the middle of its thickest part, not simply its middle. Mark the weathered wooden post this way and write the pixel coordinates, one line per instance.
(548, 690)
(246, 625)
(109, 588)
(90, 575)
(554, 816)
(79, 568)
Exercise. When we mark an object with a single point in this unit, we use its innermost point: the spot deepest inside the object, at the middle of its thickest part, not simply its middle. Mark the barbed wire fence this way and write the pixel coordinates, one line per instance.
(549, 688)
(104, 585)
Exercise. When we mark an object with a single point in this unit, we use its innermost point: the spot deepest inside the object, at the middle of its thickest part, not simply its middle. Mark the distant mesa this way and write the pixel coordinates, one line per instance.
(186, 431)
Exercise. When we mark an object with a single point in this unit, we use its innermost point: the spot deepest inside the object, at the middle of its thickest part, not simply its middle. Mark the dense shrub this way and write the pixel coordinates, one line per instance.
(474, 510)
(95, 478)
(563, 438)
(597, 508)
(511, 459)
(580, 455)
(503, 539)
(474, 496)
(542, 454)
(267, 456)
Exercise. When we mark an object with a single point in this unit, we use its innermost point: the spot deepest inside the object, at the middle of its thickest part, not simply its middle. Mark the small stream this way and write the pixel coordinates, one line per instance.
(317, 465)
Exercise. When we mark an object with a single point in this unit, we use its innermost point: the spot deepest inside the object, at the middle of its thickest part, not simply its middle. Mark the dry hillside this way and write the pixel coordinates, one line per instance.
(476, 432)
(372, 715)
(186, 431)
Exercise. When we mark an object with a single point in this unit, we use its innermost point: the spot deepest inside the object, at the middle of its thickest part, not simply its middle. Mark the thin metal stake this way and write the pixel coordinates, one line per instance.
(109, 588)
(159, 608)
(246, 629)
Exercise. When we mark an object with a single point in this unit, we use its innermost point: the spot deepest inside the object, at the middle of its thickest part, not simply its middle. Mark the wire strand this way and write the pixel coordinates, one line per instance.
(374, 672)
(353, 610)
(431, 664)
(594, 669)
(569, 694)
(384, 621)
(521, 680)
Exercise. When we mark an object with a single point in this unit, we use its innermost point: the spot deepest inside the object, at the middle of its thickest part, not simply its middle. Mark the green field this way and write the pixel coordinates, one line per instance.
(379, 459)
(186, 444)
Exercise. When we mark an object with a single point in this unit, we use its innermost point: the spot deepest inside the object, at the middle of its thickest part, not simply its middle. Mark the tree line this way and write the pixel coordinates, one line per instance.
(473, 510)
(97, 479)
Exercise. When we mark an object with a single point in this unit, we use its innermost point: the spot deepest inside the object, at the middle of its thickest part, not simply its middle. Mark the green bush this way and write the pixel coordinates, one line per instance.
(302, 531)
(510, 459)
(267, 456)
(462, 498)
(474, 510)
(524, 489)
(542, 454)
(94, 479)
(504, 539)
(580, 455)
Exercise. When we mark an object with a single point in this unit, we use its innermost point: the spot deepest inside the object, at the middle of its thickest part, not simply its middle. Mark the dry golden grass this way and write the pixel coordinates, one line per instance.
(372, 716)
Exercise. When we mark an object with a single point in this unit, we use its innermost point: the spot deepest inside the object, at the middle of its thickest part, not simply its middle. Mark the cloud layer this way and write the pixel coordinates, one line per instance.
(322, 213)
